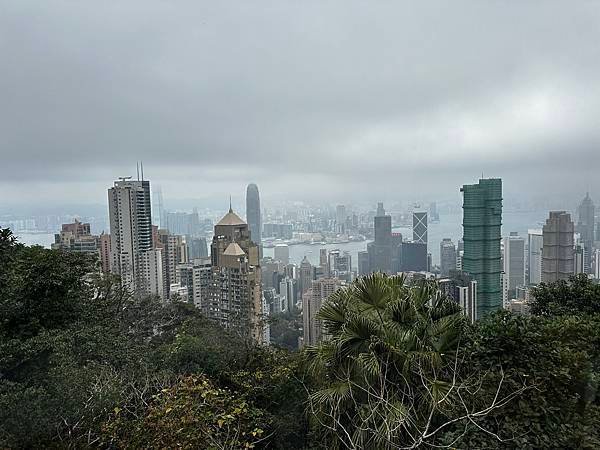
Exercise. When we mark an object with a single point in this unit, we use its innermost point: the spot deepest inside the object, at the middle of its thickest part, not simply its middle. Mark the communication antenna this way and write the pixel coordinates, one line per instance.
(137, 166)
(230, 209)
(142, 167)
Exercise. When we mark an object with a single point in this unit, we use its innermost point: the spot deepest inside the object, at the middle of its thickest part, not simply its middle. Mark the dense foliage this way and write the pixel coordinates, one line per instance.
(85, 364)
(286, 329)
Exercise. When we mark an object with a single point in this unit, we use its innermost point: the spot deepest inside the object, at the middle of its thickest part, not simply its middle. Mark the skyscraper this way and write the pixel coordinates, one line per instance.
(131, 233)
(482, 220)
(535, 242)
(514, 263)
(253, 213)
(340, 218)
(363, 263)
(306, 275)
(420, 227)
(558, 258)
(281, 252)
(174, 252)
(234, 297)
(160, 215)
(585, 227)
(414, 257)
(447, 257)
(380, 250)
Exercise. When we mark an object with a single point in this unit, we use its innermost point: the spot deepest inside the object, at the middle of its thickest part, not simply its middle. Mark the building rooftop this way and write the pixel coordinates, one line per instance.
(231, 218)
(234, 249)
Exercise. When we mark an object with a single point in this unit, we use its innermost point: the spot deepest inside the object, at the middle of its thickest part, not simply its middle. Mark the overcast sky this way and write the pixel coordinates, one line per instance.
(340, 100)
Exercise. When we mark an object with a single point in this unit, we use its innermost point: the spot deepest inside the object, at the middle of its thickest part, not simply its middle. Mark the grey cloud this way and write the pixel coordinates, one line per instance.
(308, 99)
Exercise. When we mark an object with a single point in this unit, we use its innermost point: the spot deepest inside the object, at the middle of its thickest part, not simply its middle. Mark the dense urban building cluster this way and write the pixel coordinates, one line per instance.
(249, 276)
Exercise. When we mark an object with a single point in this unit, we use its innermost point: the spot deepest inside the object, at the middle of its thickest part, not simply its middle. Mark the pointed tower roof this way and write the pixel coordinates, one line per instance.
(231, 218)
(234, 249)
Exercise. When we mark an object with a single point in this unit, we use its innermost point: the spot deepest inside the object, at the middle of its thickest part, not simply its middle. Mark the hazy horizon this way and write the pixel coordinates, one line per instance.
(323, 102)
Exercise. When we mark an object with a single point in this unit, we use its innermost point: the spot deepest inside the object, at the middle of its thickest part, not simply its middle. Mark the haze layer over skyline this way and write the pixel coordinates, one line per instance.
(313, 100)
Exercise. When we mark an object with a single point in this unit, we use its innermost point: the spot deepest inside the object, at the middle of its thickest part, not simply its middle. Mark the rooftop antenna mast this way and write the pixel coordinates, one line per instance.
(142, 167)
(230, 209)
(137, 166)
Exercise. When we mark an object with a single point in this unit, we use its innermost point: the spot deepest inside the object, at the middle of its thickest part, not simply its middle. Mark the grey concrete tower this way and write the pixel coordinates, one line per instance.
(585, 227)
(253, 213)
(558, 258)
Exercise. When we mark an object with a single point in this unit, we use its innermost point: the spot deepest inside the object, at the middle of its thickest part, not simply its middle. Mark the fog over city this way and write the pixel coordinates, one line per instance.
(329, 101)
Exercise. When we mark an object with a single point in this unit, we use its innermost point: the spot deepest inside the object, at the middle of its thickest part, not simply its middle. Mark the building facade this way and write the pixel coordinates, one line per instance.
(131, 234)
(312, 300)
(482, 259)
(235, 296)
(447, 257)
(514, 263)
(253, 215)
(558, 256)
(585, 228)
(535, 242)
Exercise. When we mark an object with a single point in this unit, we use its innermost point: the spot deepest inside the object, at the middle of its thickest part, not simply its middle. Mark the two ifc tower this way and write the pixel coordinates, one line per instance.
(253, 212)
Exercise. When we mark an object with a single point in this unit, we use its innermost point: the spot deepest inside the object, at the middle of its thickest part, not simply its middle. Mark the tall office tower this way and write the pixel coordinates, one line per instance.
(174, 252)
(340, 265)
(160, 215)
(482, 259)
(420, 227)
(340, 218)
(196, 277)
(76, 237)
(183, 223)
(462, 288)
(380, 209)
(414, 257)
(287, 291)
(597, 264)
(460, 251)
(363, 263)
(197, 247)
(447, 257)
(396, 252)
(105, 252)
(253, 213)
(380, 250)
(131, 232)
(306, 275)
(235, 297)
(580, 256)
(324, 262)
(281, 252)
(312, 300)
(434, 216)
(514, 263)
(535, 242)
(323, 257)
(558, 258)
(585, 227)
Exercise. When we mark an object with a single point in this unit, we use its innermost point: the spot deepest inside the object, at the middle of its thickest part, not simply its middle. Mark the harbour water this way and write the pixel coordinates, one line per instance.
(449, 226)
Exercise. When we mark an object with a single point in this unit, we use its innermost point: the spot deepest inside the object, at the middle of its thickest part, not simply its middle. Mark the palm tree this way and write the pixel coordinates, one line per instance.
(386, 371)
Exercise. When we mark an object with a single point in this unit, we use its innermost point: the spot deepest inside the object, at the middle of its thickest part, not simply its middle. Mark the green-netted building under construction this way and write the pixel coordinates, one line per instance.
(482, 259)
